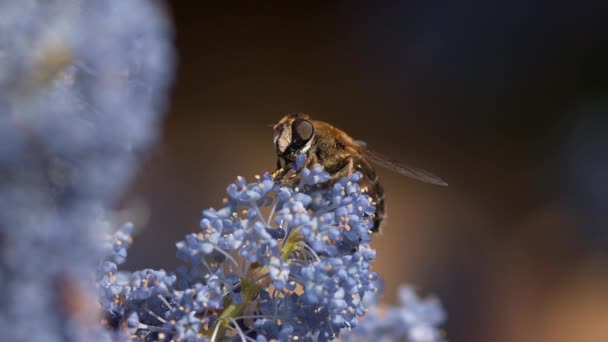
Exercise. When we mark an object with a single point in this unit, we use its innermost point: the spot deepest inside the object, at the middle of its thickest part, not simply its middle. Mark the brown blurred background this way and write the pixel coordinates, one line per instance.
(508, 101)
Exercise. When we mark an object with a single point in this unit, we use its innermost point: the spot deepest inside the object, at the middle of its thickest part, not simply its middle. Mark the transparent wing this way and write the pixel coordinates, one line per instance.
(360, 143)
(399, 168)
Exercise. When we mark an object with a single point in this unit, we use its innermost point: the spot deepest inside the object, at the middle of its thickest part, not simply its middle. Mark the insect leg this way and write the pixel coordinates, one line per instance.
(345, 168)
(279, 173)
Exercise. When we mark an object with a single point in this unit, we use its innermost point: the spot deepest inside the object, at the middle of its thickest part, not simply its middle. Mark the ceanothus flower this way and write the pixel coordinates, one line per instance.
(413, 320)
(83, 86)
(278, 262)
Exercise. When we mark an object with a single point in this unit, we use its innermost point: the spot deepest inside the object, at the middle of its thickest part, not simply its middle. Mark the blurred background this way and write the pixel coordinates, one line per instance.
(506, 100)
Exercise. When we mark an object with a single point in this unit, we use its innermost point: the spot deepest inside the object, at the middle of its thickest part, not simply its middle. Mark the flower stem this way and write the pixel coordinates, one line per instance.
(290, 245)
(249, 291)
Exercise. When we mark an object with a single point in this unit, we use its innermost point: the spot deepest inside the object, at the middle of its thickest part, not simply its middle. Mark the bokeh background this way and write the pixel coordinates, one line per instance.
(507, 100)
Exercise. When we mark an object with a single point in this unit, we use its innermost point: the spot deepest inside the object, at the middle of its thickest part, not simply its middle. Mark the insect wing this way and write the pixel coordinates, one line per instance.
(399, 168)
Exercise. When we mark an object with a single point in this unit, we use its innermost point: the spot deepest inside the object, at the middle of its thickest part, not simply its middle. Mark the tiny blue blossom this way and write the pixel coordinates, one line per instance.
(187, 327)
(314, 176)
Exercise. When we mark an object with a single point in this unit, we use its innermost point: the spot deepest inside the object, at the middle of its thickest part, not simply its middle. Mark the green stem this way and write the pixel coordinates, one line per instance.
(290, 245)
(249, 291)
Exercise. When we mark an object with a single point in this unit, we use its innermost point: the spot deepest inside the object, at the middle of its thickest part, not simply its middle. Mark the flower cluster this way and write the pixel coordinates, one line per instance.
(277, 262)
(83, 85)
(414, 320)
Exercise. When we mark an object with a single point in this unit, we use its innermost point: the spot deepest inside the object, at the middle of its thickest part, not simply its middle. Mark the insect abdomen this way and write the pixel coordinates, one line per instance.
(380, 208)
(374, 190)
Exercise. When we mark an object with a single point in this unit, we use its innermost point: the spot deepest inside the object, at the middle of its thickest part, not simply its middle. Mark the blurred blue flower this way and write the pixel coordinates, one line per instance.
(83, 85)
(414, 320)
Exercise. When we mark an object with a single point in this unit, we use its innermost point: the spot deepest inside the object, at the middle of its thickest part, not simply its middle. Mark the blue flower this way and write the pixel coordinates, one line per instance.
(279, 272)
(315, 176)
(414, 319)
(120, 243)
(188, 327)
(83, 86)
(243, 266)
(148, 283)
(245, 193)
(280, 262)
(133, 323)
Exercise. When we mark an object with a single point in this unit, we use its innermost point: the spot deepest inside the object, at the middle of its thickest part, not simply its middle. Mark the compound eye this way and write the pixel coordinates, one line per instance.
(302, 131)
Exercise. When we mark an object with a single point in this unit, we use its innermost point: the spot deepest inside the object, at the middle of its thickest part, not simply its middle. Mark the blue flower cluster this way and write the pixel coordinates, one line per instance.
(83, 85)
(414, 320)
(277, 262)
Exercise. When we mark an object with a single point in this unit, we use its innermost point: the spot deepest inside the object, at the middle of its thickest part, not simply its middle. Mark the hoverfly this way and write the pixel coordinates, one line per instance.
(339, 154)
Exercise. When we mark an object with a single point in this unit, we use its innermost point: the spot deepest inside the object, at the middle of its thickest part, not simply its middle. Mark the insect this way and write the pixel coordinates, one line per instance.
(339, 154)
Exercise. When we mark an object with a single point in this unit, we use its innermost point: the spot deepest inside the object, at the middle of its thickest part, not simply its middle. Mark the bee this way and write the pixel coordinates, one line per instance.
(339, 154)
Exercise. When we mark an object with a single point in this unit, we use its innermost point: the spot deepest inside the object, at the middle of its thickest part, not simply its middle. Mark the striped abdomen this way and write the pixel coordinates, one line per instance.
(374, 190)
